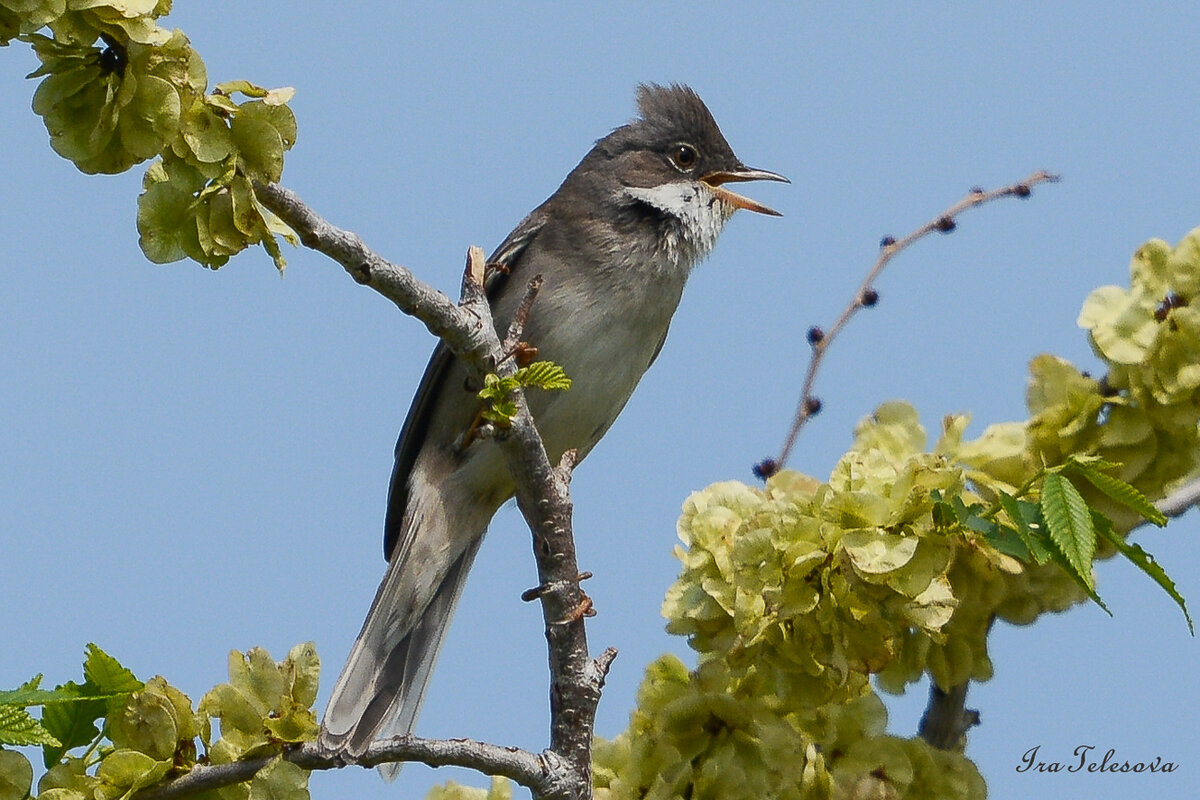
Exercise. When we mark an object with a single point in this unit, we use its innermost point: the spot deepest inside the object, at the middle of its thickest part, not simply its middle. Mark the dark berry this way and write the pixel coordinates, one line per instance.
(766, 468)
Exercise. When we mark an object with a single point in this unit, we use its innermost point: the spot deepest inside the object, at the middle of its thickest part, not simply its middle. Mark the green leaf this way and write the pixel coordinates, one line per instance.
(1119, 491)
(1086, 584)
(543, 375)
(17, 727)
(1007, 540)
(107, 675)
(1067, 517)
(72, 724)
(500, 412)
(1143, 561)
(1027, 522)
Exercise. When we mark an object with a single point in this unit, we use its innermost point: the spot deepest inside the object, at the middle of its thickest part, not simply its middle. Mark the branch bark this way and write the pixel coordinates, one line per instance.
(542, 773)
(1180, 500)
(947, 720)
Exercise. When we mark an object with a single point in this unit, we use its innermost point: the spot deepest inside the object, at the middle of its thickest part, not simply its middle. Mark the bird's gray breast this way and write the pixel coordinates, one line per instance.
(603, 322)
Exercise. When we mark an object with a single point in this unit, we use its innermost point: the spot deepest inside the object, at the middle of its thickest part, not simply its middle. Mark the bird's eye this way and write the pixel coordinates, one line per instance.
(684, 156)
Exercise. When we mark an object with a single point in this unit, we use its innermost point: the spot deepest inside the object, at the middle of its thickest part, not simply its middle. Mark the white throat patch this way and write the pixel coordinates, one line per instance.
(700, 213)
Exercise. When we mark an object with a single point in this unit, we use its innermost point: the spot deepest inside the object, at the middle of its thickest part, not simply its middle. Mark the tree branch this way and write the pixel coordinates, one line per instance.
(866, 296)
(544, 774)
(542, 493)
(947, 720)
(1180, 500)
(460, 326)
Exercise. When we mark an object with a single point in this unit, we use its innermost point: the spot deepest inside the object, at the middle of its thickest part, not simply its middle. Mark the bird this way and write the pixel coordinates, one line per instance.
(614, 245)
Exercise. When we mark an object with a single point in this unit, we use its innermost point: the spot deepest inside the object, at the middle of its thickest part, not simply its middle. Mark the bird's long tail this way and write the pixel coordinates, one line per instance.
(382, 686)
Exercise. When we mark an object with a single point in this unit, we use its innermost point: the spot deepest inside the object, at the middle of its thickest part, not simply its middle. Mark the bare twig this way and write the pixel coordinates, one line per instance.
(1180, 500)
(517, 327)
(457, 325)
(543, 773)
(809, 405)
(542, 490)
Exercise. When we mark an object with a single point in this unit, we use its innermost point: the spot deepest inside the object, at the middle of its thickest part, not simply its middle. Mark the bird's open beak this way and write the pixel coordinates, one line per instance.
(714, 181)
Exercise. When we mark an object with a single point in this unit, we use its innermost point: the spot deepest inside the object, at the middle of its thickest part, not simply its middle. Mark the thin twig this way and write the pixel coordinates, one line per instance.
(540, 773)
(809, 405)
(517, 327)
(1180, 500)
(456, 324)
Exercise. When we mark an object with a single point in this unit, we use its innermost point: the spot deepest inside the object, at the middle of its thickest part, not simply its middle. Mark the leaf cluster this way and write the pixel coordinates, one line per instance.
(898, 565)
(691, 737)
(134, 734)
(496, 394)
(117, 89)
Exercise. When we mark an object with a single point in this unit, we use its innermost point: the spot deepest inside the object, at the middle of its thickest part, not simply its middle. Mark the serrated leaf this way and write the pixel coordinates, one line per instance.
(30, 695)
(1079, 580)
(943, 514)
(1007, 540)
(1145, 562)
(1069, 522)
(1120, 491)
(544, 375)
(1024, 516)
(107, 674)
(500, 412)
(18, 727)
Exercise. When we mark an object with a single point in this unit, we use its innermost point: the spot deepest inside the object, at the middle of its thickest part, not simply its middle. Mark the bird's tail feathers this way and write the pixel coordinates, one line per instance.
(382, 687)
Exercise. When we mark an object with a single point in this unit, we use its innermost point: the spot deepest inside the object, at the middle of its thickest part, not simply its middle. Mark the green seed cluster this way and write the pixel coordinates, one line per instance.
(117, 89)
(691, 736)
(151, 732)
(795, 593)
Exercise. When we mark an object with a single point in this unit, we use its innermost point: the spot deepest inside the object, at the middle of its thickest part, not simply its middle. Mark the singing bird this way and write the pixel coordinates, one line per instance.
(615, 244)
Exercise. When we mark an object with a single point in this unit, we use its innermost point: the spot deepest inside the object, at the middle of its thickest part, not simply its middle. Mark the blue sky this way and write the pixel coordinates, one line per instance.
(192, 462)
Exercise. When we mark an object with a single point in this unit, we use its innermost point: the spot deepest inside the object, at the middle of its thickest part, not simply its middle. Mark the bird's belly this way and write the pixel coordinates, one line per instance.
(605, 354)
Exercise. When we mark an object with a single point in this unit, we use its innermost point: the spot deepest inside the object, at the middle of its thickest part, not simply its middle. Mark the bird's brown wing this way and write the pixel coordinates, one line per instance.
(412, 435)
